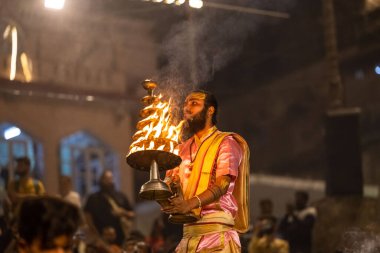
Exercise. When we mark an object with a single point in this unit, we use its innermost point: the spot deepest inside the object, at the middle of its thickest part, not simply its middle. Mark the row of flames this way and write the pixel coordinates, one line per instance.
(156, 130)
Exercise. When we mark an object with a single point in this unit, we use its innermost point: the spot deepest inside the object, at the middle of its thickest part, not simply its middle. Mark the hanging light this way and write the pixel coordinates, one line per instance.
(196, 4)
(11, 133)
(54, 4)
(12, 73)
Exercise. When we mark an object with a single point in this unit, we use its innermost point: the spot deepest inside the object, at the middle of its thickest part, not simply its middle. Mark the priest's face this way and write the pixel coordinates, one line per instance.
(195, 112)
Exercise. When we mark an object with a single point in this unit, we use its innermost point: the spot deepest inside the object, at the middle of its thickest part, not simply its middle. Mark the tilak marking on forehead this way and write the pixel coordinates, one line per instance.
(196, 95)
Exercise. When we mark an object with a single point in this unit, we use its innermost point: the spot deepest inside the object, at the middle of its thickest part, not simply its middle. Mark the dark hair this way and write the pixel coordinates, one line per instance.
(103, 174)
(266, 201)
(46, 218)
(210, 100)
(303, 194)
(23, 159)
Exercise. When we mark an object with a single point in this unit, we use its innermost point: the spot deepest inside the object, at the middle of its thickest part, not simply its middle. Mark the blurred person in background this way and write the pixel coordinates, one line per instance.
(266, 210)
(109, 207)
(164, 235)
(24, 184)
(264, 239)
(297, 225)
(136, 243)
(45, 225)
(5, 234)
(109, 237)
(66, 191)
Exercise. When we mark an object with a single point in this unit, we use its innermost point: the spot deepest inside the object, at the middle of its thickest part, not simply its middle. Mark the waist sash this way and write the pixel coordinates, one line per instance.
(209, 223)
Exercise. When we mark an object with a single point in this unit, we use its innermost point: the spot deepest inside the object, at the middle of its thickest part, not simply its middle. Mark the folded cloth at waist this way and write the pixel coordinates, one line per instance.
(212, 232)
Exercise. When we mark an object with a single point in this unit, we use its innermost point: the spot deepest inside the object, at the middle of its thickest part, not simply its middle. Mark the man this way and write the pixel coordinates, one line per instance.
(46, 225)
(214, 177)
(66, 191)
(24, 184)
(264, 239)
(297, 225)
(109, 208)
(266, 210)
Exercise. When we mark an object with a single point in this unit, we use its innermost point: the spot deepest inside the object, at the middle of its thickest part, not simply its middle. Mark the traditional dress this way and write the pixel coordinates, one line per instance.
(268, 244)
(203, 160)
(28, 186)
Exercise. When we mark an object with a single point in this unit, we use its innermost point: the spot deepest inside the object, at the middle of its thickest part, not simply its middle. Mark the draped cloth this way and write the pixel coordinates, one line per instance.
(201, 173)
(221, 220)
(193, 233)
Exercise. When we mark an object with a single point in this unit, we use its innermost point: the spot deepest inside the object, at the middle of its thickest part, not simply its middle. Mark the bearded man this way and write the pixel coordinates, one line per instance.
(214, 176)
(109, 208)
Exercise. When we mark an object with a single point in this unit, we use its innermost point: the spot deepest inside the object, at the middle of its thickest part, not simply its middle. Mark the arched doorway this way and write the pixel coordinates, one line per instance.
(84, 157)
(14, 143)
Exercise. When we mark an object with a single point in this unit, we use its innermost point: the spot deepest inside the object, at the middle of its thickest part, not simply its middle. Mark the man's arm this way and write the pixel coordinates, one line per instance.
(124, 209)
(227, 164)
(212, 194)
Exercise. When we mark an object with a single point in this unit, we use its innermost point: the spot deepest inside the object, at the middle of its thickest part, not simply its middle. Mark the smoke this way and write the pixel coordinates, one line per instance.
(207, 41)
(200, 46)
(360, 241)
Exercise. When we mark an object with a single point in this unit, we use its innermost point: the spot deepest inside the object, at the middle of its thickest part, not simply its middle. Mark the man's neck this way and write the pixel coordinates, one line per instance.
(202, 132)
(24, 178)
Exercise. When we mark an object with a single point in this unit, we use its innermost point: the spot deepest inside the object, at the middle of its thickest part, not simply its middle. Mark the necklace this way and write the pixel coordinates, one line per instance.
(191, 153)
(191, 147)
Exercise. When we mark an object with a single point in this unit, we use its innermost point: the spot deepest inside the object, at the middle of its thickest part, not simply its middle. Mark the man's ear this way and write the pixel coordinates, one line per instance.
(210, 110)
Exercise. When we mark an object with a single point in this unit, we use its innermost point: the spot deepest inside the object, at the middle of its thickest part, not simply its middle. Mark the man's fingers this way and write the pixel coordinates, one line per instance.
(169, 210)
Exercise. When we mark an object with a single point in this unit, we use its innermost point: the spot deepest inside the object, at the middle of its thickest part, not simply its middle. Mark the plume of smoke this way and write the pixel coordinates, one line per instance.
(197, 48)
(359, 241)
(205, 43)
(202, 45)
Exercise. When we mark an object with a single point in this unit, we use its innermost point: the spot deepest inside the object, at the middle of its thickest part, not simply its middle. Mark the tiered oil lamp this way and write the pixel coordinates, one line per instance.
(153, 150)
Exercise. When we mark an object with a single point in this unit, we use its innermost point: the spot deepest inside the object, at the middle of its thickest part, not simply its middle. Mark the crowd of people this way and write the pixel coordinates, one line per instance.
(33, 221)
(291, 233)
(211, 187)
(105, 223)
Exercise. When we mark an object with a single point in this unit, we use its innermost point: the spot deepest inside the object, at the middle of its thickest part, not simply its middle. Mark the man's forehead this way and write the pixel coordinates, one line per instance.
(196, 96)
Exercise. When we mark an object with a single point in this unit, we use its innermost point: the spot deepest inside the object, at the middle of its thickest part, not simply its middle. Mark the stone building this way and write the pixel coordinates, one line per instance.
(73, 98)
(76, 91)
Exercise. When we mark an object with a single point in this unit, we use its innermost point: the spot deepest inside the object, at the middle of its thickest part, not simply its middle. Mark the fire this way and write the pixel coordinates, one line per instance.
(156, 131)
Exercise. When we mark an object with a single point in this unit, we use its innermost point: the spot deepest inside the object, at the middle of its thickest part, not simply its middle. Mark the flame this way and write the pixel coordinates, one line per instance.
(156, 131)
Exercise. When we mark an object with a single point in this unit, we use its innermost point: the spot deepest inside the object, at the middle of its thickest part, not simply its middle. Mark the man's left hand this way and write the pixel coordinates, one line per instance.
(178, 205)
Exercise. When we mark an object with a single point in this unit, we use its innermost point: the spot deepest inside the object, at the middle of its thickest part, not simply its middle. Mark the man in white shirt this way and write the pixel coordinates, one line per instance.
(66, 191)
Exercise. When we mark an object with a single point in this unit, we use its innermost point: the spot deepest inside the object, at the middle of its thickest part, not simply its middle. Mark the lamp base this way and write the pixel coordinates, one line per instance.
(142, 160)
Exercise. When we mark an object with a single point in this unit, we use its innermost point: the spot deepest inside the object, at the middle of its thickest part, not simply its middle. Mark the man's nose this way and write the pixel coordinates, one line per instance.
(186, 109)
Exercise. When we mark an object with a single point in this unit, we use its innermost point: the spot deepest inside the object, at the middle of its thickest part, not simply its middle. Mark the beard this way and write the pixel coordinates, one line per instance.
(195, 124)
(107, 188)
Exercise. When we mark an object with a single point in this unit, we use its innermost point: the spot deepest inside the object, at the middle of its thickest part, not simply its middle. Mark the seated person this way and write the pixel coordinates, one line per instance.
(264, 239)
(45, 225)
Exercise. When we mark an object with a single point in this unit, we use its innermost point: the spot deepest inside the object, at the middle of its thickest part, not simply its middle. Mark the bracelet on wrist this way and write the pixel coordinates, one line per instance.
(199, 201)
